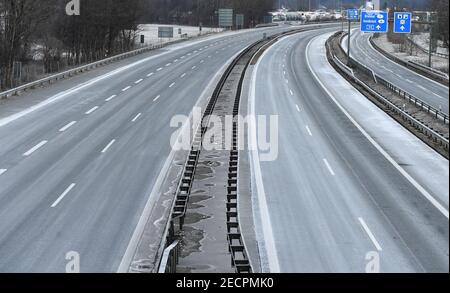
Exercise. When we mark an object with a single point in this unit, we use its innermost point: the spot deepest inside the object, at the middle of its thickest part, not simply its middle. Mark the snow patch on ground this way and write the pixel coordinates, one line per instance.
(438, 63)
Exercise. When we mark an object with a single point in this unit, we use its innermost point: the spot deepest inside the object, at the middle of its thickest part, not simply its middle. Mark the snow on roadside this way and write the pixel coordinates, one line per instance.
(418, 56)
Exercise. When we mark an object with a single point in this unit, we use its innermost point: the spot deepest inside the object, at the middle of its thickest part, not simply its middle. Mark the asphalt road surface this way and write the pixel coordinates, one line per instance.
(75, 174)
(427, 90)
(335, 201)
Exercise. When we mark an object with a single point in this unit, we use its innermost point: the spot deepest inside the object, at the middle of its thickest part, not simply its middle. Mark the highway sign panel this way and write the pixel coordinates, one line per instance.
(353, 14)
(374, 21)
(402, 22)
(165, 32)
(225, 17)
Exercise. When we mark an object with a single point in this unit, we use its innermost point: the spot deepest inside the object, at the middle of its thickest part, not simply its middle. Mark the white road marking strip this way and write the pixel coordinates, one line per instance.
(175, 61)
(157, 98)
(71, 186)
(138, 81)
(171, 85)
(371, 236)
(286, 80)
(182, 57)
(209, 56)
(329, 167)
(108, 146)
(309, 130)
(298, 108)
(183, 75)
(127, 88)
(67, 126)
(159, 69)
(110, 98)
(168, 64)
(292, 93)
(137, 117)
(405, 174)
(202, 61)
(408, 80)
(266, 224)
(2, 171)
(92, 110)
(35, 148)
(150, 74)
(284, 72)
(193, 67)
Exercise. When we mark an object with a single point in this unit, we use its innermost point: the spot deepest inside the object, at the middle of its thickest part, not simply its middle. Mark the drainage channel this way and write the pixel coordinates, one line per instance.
(204, 235)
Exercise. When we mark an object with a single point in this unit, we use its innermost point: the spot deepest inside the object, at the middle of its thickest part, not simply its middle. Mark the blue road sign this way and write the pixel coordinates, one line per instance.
(402, 22)
(353, 14)
(374, 21)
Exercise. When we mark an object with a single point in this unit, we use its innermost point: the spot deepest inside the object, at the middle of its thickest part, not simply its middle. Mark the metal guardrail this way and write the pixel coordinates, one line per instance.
(444, 79)
(169, 259)
(180, 203)
(80, 69)
(423, 67)
(436, 137)
(236, 244)
(401, 92)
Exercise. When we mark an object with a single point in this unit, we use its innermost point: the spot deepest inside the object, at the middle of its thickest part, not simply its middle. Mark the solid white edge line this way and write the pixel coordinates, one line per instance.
(267, 229)
(35, 148)
(68, 189)
(2, 171)
(108, 146)
(402, 171)
(370, 234)
(67, 126)
(135, 238)
(92, 110)
(329, 167)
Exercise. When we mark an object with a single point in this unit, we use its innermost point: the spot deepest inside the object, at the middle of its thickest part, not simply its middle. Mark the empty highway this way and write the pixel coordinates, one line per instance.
(77, 167)
(429, 91)
(348, 182)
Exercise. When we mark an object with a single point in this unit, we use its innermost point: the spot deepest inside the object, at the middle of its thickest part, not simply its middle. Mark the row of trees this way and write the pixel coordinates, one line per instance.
(41, 27)
(104, 27)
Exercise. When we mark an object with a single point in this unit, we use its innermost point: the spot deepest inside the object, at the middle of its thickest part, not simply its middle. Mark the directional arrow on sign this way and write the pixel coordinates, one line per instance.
(378, 27)
(402, 28)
